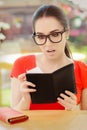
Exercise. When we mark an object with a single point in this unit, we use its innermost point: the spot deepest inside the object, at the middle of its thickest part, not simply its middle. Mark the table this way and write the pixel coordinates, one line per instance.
(51, 120)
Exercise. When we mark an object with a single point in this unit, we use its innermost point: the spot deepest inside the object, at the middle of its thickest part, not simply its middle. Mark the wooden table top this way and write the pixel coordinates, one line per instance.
(51, 120)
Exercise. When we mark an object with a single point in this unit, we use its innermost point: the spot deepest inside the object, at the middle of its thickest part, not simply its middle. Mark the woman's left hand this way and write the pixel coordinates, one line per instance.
(69, 102)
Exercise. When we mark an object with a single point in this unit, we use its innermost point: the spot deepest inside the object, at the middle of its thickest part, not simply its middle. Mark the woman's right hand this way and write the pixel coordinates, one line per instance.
(24, 84)
(20, 97)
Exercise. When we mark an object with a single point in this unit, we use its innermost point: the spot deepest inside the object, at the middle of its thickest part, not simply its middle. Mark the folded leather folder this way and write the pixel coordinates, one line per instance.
(50, 85)
(11, 116)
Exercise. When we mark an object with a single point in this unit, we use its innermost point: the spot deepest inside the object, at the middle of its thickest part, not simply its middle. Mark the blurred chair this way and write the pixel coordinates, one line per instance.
(7, 66)
(4, 65)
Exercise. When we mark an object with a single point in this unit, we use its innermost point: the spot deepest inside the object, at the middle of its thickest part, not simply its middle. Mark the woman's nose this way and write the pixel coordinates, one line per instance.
(48, 42)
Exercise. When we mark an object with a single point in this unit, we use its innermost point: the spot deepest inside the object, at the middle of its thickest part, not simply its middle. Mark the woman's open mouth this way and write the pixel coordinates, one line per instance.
(51, 52)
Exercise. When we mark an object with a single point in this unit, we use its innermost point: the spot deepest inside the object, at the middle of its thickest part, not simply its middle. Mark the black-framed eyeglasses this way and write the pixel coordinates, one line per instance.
(54, 37)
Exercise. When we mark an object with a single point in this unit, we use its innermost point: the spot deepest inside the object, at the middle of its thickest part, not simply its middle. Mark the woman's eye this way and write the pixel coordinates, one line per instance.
(55, 34)
(40, 36)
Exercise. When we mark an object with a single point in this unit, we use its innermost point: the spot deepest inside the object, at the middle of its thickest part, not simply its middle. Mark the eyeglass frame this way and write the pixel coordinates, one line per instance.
(47, 36)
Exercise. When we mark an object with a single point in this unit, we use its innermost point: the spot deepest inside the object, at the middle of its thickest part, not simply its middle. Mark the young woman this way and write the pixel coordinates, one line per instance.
(50, 33)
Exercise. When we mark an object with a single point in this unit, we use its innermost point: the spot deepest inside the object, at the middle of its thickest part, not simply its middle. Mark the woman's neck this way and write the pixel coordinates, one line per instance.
(50, 65)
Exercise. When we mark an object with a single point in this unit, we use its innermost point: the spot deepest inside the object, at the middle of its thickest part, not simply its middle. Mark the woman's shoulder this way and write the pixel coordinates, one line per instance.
(24, 58)
(80, 64)
(22, 64)
(81, 71)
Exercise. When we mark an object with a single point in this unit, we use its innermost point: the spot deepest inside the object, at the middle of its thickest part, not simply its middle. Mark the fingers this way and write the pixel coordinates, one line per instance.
(69, 102)
(24, 85)
(72, 95)
(71, 98)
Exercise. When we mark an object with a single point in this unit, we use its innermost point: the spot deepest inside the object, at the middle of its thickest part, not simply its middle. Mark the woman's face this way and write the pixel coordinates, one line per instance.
(46, 26)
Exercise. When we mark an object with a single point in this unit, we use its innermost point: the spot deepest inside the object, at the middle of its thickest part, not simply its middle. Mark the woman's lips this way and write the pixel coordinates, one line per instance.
(50, 52)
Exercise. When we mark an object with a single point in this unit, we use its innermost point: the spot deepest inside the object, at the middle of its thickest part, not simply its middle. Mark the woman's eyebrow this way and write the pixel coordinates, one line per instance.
(40, 33)
(56, 30)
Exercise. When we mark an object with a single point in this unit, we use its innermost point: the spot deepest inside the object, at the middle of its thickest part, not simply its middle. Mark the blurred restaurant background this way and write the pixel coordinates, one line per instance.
(16, 31)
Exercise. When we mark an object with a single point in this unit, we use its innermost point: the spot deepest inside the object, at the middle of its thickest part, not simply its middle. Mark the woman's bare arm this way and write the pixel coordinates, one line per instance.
(18, 100)
(20, 97)
(84, 99)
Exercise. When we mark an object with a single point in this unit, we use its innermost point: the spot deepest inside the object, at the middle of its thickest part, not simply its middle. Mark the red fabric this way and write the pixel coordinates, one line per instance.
(80, 71)
(25, 63)
(50, 106)
(22, 64)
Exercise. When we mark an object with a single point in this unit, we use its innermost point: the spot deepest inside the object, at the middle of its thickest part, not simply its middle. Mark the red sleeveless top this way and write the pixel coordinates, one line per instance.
(22, 64)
